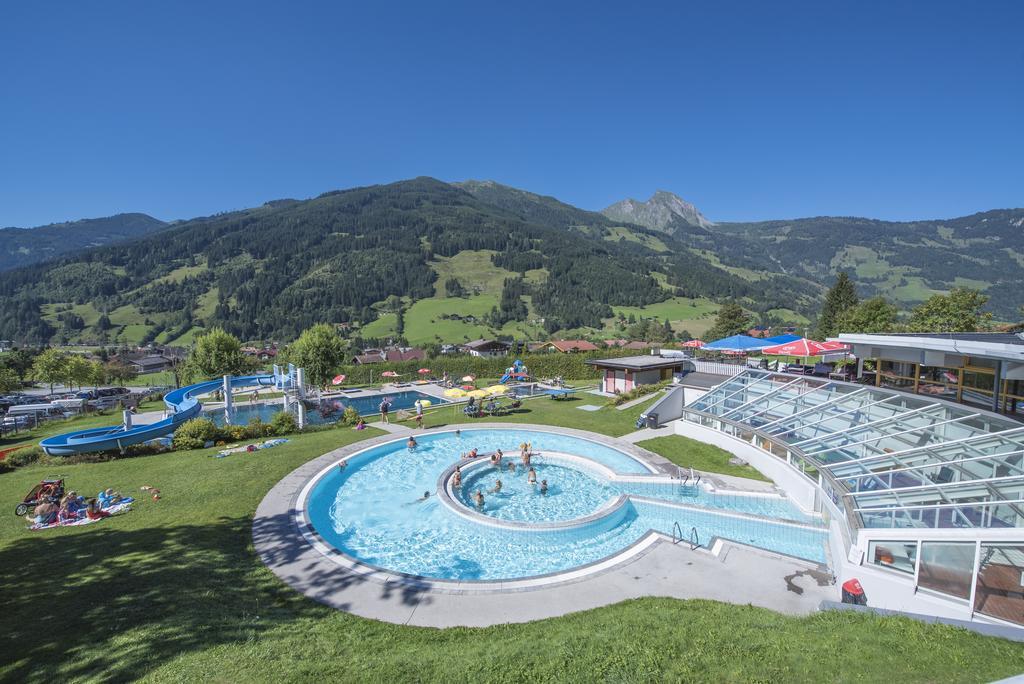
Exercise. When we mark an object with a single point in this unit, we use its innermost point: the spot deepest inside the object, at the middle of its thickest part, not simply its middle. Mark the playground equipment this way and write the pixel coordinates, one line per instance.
(183, 405)
(517, 371)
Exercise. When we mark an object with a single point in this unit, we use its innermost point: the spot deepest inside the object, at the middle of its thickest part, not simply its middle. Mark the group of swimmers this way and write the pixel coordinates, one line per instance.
(496, 458)
(72, 507)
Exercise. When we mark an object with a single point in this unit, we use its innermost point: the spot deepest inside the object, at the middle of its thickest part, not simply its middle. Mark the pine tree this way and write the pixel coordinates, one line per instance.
(840, 298)
(731, 320)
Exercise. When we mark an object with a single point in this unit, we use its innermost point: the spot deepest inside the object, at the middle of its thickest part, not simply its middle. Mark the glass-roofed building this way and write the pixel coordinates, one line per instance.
(925, 496)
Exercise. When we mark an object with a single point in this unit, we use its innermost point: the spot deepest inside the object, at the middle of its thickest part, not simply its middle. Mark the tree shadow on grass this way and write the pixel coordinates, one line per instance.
(111, 604)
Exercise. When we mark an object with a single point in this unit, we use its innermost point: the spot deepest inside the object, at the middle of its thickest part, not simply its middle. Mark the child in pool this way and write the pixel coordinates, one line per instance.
(544, 487)
(512, 467)
(411, 444)
(497, 487)
(478, 498)
(531, 476)
(457, 478)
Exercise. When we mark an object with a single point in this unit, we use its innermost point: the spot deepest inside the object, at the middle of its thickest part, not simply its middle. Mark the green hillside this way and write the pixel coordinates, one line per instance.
(521, 265)
(905, 261)
(20, 247)
(477, 259)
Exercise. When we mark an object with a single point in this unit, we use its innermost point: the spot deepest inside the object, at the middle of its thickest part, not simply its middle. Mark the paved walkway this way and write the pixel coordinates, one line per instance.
(654, 567)
(648, 433)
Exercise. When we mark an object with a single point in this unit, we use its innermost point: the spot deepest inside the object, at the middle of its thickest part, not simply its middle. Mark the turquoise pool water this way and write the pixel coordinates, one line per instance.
(330, 412)
(375, 511)
(571, 493)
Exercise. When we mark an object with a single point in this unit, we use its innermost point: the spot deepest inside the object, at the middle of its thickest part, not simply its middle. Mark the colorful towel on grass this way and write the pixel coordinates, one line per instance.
(270, 443)
(121, 507)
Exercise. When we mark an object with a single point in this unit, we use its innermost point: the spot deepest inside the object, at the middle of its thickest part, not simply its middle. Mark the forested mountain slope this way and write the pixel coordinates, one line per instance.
(271, 271)
(23, 246)
(905, 261)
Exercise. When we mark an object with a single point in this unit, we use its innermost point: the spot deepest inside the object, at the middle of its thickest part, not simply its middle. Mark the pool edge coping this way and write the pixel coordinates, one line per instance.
(302, 542)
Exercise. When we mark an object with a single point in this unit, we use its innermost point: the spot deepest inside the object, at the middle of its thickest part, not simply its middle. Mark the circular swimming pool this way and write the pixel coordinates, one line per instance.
(398, 510)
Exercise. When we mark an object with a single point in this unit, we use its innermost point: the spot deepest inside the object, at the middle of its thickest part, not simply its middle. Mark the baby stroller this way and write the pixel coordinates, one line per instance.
(47, 490)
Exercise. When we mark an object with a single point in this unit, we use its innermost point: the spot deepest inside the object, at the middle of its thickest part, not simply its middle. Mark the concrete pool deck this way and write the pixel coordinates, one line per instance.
(654, 566)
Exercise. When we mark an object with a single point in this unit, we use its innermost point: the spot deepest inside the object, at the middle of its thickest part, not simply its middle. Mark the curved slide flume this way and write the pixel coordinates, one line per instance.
(182, 403)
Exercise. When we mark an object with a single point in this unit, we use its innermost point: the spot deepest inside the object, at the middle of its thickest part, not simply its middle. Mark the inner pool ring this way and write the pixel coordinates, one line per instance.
(385, 509)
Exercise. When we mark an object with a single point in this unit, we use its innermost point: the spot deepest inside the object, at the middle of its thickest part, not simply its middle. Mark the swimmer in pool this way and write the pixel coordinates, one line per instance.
(497, 487)
(478, 499)
(411, 444)
(544, 487)
(512, 467)
(426, 495)
(457, 478)
(526, 459)
(531, 476)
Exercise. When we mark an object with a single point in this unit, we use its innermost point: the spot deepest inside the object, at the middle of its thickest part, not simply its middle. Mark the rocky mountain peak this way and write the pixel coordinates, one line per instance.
(663, 211)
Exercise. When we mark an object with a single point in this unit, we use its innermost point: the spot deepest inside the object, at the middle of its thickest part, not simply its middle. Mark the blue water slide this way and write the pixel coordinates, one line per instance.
(181, 403)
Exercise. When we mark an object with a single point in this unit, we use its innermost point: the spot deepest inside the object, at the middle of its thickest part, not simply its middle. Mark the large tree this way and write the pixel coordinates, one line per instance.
(875, 315)
(319, 351)
(49, 367)
(841, 297)
(9, 381)
(19, 361)
(731, 320)
(76, 371)
(118, 371)
(217, 353)
(958, 311)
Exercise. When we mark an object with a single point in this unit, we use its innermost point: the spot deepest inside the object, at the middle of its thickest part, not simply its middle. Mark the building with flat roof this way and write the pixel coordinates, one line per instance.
(625, 373)
(985, 370)
(924, 496)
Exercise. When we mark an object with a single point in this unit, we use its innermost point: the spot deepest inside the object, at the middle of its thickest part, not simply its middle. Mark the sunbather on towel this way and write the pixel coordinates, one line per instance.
(44, 514)
(94, 512)
(108, 497)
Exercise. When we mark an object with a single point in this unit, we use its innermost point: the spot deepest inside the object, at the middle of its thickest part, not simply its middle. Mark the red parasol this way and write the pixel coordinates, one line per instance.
(802, 347)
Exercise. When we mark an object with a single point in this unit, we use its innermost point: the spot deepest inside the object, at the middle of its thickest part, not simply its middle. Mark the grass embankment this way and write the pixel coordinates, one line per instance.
(607, 420)
(690, 453)
(173, 591)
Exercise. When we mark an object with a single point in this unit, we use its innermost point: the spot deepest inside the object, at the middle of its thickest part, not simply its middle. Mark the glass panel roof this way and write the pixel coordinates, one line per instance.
(905, 460)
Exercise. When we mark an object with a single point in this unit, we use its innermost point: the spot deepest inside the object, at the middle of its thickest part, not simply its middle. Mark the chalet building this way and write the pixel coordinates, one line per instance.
(569, 346)
(486, 348)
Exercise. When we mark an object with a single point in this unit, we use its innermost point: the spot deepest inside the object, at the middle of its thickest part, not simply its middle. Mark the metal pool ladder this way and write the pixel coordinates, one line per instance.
(685, 479)
(677, 535)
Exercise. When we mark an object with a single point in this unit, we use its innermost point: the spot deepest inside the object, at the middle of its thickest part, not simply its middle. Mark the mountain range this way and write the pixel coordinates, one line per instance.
(23, 246)
(443, 262)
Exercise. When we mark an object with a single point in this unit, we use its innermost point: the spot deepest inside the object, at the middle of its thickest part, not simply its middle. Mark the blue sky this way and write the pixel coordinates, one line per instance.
(750, 110)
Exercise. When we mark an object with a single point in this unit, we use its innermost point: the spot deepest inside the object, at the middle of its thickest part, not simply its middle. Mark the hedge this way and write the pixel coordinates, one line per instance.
(543, 365)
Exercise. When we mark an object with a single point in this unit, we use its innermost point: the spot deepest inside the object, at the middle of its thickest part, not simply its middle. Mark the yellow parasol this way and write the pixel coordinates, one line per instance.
(455, 393)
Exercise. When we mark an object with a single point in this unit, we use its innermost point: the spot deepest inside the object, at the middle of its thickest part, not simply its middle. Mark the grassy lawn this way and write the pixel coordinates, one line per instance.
(173, 591)
(158, 379)
(565, 412)
(690, 453)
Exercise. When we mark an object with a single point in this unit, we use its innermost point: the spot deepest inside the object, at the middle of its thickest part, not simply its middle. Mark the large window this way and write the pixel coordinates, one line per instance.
(893, 555)
(898, 374)
(1000, 590)
(947, 567)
